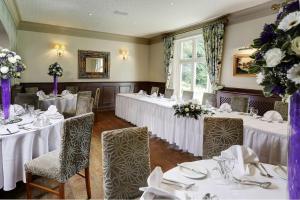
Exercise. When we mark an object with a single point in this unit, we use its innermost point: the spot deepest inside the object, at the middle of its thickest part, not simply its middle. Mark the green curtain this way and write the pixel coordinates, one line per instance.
(213, 35)
(168, 57)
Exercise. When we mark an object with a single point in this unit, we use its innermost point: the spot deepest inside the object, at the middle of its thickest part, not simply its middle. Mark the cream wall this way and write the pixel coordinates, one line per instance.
(37, 52)
(156, 63)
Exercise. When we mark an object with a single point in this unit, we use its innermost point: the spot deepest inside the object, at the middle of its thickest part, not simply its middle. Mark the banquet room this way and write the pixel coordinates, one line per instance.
(140, 99)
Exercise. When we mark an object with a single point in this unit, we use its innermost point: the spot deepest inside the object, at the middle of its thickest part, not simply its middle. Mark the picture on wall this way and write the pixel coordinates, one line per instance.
(241, 65)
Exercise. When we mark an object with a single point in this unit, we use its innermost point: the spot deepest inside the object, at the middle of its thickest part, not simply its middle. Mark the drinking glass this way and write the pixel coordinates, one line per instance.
(226, 165)
(31, 110)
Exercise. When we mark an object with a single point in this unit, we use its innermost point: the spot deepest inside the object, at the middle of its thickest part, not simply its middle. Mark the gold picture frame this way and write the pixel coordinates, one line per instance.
(241, 65)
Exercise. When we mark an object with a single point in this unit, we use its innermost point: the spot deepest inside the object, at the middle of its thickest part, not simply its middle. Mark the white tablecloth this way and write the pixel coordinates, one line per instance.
(268, 140)
(63, 104)
(19, 148)
(213, 184)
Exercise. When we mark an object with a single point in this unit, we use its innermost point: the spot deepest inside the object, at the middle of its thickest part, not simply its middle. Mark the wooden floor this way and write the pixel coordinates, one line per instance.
(161, 155)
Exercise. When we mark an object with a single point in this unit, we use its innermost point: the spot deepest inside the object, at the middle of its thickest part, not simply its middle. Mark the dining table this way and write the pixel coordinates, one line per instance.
(63, 103)
(24, 142)
(213, 185)
(269, 140)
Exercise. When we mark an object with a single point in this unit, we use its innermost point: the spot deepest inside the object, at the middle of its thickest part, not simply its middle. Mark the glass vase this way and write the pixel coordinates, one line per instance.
(55, 85)
(5, 89)
(294, 147)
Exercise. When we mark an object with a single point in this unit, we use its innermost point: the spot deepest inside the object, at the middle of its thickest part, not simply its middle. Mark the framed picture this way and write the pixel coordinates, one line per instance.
(241, 65)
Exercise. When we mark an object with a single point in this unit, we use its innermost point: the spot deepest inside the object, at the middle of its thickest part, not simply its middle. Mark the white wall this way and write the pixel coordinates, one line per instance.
(156, 63)
(236, 36)
(37, 52)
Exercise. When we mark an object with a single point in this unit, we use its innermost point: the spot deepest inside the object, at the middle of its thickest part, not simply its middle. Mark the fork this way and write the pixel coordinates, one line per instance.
(259, 169)
(264, 185)
(263, 167)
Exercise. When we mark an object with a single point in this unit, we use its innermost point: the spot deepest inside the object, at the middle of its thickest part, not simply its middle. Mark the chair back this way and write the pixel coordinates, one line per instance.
(187, 95)
(239, 104)
(31, 90)
(282, 108)
(26, 98)
(84, 93)
(126, 162)
(169, 93)
(97, 98)
(72, 89)
(84, 105)
(154, 89)
(209, 98)
(75, 145)
(220, 134)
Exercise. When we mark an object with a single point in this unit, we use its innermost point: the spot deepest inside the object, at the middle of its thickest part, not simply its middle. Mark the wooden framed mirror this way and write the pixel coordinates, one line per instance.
(93, 64)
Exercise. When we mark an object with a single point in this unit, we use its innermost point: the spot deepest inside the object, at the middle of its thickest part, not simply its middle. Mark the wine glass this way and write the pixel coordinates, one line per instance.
(31, 110)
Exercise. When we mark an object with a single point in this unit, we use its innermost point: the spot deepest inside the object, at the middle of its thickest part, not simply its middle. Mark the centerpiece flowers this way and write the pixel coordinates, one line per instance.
(56, 71)
(10, 67)
(277, 64)
(190, 110)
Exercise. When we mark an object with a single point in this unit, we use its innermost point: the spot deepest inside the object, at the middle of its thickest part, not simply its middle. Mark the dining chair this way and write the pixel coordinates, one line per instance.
(84, 93)
(187, 95)
(31, 90)
(209, 98)
(126, 162)
(73, 157)
(219, 134)
(26, 98)
(72, 89)
(282, 108)
(84, 105)
(239, 104)
(97, 98)
(169, 93)
(154, 89)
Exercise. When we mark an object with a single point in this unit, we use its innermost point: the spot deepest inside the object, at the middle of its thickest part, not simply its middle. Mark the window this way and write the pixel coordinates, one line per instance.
(192, 63)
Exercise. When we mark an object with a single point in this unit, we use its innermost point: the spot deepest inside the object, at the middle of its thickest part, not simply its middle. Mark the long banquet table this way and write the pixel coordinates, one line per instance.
(19, 148)
(268, 140)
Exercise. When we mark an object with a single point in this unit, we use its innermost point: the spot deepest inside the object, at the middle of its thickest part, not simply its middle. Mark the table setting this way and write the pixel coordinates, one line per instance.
(236, 174)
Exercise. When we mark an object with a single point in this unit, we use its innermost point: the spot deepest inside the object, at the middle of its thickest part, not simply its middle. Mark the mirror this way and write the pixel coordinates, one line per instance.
(93, 64)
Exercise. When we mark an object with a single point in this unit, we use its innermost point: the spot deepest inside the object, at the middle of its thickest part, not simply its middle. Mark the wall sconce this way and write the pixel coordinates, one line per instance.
(60, 49)
(124, 53)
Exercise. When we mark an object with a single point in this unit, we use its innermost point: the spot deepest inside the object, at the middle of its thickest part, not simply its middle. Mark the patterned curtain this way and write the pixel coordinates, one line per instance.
(169, 55)
(213, 35)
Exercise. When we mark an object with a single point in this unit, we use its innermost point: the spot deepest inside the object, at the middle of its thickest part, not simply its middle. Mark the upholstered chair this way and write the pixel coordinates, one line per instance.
(282, 108)
(154, 89)
(73, 157)
(239, 104)
(220, 134)
(126, 162)
(84, 105)
(26, 98)
(187, 95)
(31, 90)
(72, 89)
(168, 93)
(84, 93)
(209, 98)
(97, 98)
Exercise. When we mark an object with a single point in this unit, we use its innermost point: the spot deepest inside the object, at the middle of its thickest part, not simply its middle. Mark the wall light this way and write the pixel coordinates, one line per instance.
(124, 53)
(60, 49)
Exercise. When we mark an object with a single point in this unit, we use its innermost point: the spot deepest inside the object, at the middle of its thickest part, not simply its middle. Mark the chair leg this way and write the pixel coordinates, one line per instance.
(28, 187)
(87, 182)
(61, 191)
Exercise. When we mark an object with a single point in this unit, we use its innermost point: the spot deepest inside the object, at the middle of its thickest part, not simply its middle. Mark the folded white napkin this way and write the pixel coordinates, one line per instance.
(273, 115)
(65, 92)
(141, 92)
(52, 110)
(225, 107)
(243, 155)
(9, 129)
(17, 109)
(41, 94)
(154, 94)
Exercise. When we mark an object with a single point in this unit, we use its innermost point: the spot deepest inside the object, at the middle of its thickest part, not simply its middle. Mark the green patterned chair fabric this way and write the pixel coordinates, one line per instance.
(282, 108)
(154, 89)
(209, 98)
(84, 93)
(126, 162)
(26, 98)
(220, 134)
(187, 95)
(72, 89)
(84, 105)
(168, 93)
(74, 154)
(31, 90)
(239, 104)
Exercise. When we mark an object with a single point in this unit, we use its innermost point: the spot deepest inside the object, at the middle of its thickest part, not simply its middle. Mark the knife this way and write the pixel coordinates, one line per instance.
(193, 170)
(282, 168)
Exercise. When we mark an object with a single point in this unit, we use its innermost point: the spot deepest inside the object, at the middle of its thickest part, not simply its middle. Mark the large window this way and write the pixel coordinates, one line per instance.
(192, 64)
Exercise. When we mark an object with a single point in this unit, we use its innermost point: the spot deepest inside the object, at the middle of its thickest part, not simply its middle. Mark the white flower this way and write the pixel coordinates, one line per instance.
(260, 78)
(4, 69)
(2, 55)
(17, 57)
(289, 21)
(5, 50)
(186, 109)
(12, 60)
(273, 57)
(197, 107)
(192, 106)
(294, 74)
(296, 45)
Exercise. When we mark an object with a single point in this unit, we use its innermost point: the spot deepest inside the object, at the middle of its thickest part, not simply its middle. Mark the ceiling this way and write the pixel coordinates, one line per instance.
(140, 18)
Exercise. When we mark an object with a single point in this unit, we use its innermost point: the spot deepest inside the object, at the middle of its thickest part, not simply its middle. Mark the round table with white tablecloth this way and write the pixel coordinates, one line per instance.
(26, 144)
(64, 104)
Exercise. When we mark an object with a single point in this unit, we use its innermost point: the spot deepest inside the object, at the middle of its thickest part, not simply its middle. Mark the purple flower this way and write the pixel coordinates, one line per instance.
(279, 90)
(19, 68)
(268, 33)
(258, 56)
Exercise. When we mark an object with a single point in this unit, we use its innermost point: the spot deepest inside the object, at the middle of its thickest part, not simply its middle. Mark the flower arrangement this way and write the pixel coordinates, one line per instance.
(191, 110)
(10, 64)
(55, 70)
(277, 59)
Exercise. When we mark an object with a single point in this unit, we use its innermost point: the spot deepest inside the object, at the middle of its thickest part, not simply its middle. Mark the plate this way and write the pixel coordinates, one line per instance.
(192, 174)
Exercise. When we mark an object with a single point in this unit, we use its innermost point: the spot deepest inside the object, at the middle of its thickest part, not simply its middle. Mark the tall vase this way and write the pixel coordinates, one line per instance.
(55, 85)
(5, 88)
(294, 147)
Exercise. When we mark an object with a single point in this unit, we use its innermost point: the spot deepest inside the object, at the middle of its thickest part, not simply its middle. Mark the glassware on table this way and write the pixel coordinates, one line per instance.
(226, 166)
(161, 95)
(31, 110)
